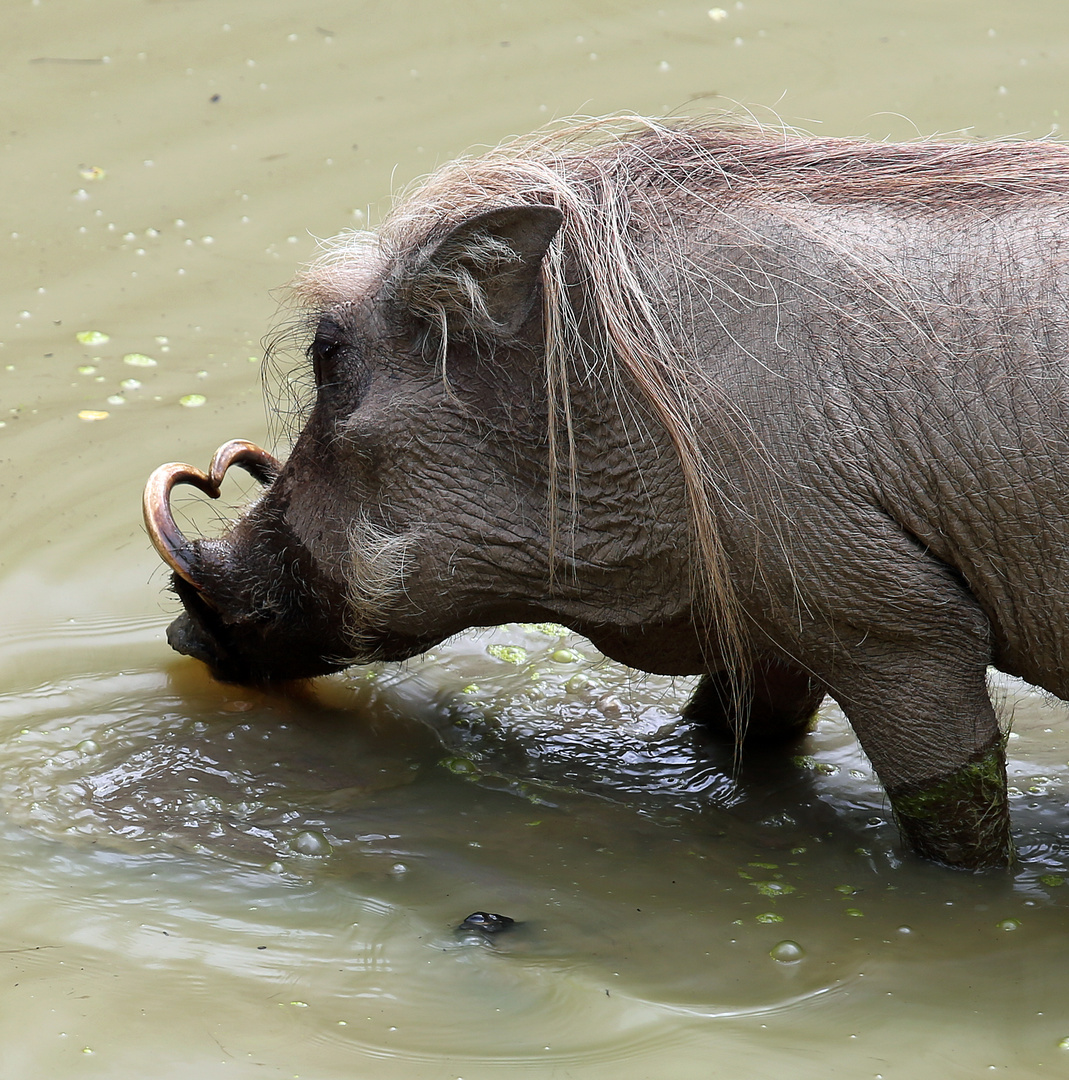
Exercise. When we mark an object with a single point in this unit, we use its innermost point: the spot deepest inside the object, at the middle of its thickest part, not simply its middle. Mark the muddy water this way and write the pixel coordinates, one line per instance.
(197, 880)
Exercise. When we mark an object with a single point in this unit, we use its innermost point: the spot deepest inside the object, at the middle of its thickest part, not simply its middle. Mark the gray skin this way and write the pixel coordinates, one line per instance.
(892, 500)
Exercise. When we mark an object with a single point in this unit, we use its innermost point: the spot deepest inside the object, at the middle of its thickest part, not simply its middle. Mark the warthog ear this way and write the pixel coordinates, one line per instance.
(481, 278)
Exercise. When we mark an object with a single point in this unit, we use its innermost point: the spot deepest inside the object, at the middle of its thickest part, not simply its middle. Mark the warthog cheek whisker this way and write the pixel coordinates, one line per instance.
(376, 572)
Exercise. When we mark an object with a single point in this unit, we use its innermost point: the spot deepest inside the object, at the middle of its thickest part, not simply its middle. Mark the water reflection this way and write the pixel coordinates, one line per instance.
(317, 851)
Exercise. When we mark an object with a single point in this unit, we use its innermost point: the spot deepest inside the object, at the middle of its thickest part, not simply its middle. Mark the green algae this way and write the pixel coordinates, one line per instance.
(511, 654)
(961, 819)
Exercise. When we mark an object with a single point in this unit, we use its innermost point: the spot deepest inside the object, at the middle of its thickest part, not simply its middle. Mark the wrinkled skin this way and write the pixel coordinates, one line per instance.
(893, 508)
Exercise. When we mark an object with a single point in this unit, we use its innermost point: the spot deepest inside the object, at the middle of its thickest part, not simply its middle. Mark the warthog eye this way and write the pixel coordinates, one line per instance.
(326, 350)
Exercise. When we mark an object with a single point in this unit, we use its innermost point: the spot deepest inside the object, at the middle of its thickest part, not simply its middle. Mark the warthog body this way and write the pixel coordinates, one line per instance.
(790, 413)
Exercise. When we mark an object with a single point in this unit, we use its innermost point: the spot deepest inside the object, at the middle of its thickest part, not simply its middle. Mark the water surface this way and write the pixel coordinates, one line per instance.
(201, 880)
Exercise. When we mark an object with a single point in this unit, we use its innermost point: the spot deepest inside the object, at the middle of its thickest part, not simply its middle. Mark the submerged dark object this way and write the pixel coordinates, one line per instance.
(486, 922)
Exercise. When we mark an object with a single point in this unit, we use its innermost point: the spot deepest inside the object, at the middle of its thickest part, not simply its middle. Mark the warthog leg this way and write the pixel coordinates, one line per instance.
(961, 819)
(924, 718)
(775, 703)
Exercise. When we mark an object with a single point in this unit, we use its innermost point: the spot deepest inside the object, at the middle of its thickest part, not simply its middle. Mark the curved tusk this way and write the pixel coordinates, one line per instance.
(166, 537)
(175, 550)
(256, 462)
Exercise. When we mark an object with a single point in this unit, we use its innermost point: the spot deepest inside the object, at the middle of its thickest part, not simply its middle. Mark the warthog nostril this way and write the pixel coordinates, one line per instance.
(175, 550)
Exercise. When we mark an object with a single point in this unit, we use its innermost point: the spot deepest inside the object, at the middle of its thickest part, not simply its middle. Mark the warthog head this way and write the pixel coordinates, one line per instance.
(499, 425)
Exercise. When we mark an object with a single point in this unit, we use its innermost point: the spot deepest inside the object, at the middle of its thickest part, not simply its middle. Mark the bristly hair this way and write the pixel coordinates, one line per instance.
(376, 575)
(614, 181)
(286, 375)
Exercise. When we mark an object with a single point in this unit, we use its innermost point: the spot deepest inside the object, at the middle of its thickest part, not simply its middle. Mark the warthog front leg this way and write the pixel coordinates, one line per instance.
(962, 818)
(924, 717)
(945, 781)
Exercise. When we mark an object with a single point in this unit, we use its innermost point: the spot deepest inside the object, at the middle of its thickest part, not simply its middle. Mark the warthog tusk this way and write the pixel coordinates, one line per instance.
(246, 455)
(175, 550)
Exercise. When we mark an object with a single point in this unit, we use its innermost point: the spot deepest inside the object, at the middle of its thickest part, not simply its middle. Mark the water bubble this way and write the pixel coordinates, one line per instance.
(773, 888)
(787, 952)
(460, 766)
(239, 705)
(1009, 924)
(311, 843)
(610, 706)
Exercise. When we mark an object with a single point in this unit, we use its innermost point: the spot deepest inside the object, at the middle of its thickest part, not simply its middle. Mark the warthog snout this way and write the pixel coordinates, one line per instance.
(229, 620)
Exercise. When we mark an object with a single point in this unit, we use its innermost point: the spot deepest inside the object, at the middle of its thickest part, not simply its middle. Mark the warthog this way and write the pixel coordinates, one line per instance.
(791, 413)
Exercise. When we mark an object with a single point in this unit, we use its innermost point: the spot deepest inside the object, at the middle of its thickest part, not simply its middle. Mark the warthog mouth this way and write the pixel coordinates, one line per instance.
(266, 613)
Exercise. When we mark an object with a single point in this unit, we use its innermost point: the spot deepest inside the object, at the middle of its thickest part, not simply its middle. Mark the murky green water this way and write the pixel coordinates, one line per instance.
(200, 881)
